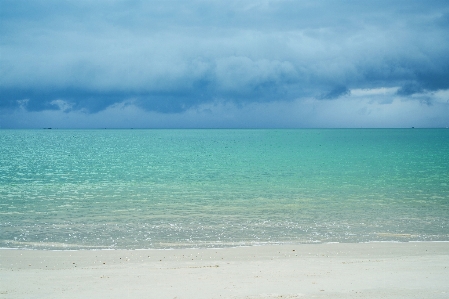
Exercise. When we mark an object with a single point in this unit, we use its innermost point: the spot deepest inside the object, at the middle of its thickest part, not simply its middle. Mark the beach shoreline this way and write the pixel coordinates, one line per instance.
(331, 270)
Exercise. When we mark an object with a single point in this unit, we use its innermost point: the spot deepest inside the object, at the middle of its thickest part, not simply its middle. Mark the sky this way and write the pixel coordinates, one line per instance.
(224, 64)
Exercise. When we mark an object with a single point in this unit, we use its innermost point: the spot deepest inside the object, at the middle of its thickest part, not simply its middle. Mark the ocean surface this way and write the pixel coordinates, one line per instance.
(139, 189)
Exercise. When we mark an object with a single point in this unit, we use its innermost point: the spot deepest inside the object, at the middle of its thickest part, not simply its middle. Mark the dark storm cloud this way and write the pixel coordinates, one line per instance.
(336, 92)
(169, 56)
(409, 89)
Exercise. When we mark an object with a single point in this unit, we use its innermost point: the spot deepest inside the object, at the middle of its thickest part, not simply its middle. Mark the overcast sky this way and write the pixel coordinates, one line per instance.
(313, 63)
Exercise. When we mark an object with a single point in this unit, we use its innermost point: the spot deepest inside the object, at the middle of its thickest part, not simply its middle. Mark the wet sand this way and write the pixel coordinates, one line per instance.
(365, 270)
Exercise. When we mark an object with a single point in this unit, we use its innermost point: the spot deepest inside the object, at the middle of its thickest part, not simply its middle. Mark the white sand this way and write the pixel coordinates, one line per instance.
(372, 270)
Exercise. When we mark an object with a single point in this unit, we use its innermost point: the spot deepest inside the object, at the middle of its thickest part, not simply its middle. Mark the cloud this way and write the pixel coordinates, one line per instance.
(336, 92)
(409, 89)
(171, 57)
(355, 110)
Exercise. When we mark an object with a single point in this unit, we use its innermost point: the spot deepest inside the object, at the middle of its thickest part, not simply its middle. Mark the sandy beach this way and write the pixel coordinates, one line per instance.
(365, 270)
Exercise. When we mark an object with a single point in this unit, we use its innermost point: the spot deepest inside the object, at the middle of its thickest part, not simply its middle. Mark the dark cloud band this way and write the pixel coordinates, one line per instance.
(171, 56)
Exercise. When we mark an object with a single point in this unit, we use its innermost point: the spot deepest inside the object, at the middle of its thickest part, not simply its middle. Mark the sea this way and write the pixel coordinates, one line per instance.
(216, 188)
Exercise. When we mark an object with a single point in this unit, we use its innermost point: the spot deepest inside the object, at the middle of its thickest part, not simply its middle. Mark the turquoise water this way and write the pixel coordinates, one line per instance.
(86, 189)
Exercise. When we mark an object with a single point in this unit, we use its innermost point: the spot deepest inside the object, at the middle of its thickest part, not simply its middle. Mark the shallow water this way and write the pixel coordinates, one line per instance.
(85, 189)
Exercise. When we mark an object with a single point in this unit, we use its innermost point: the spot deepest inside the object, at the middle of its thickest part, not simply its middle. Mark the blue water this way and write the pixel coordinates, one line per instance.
(94, 189)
